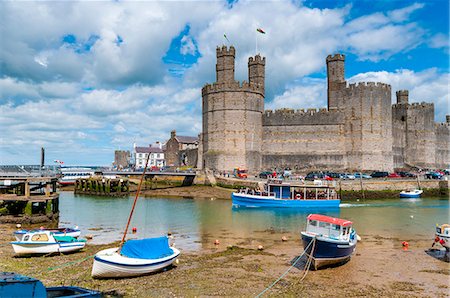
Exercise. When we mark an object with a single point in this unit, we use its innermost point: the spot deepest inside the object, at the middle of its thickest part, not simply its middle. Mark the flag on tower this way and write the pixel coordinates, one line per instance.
(260, 31)
(224, 35)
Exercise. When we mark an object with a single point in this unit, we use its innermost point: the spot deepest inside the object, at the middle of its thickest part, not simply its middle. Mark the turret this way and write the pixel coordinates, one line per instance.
(402, 96)
(336, 78)
(256, 71)
(225, 64)
(447, 118)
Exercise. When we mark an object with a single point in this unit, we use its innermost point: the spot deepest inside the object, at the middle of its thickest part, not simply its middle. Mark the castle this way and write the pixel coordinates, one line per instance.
(359, 130)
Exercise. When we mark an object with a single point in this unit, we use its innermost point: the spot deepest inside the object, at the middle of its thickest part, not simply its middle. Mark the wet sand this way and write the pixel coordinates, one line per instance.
(380, 268)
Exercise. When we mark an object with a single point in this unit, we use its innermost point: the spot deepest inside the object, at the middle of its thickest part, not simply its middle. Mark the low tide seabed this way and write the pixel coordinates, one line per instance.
(379, 268)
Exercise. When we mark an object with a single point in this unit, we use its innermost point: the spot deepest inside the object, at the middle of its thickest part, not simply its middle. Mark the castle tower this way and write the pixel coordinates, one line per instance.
(232, 116)
(225, 64)
(336, 80)
(256, 71)
(402, 96)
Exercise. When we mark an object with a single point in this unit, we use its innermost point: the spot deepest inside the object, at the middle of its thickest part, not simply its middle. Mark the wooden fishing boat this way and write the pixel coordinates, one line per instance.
(277, 193)
(137, 257)
(334, 240)
(134, 257)
(44, 242)
(412, 193)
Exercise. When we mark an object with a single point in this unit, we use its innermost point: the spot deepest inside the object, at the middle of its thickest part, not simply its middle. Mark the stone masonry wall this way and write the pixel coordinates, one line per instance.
(442, 154)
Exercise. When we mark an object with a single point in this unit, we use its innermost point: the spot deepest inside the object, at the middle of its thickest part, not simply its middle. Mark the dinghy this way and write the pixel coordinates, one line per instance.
(415, 193)
(134, 257)
(137, 257)
(44, 242)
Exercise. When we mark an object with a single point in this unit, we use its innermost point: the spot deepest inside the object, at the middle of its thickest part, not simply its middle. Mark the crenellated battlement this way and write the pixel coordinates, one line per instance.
(235, 86)
(368, 85)
(257, 60)
(421, 105)
(336, 57)
(225, 51)
(302, 117)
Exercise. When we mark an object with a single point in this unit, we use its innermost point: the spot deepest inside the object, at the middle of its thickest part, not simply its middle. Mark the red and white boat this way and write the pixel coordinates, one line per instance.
(443, 236)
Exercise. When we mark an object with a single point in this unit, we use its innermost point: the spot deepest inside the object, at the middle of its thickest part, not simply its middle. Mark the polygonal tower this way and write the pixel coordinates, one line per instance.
(232, 115)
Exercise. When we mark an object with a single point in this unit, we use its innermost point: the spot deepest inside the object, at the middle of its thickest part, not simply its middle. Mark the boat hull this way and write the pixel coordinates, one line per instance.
(328, 251)
(410, 195)
(45, 247)
(56, 232)
(252, 201)
(109, 264)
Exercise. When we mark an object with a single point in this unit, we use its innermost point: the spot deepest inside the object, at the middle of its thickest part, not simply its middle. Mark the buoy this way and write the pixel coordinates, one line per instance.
(284, 238)
(216, 242)
(260, 247)
(442, 241)
(134, 230)
(176, 261)
(405, 245)
(18, 226)
(436, 239)
(89, 237)
(412, 216)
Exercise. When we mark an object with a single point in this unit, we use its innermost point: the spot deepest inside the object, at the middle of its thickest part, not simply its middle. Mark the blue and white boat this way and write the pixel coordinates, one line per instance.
(44, 242)
(14, 285)
(415, 193)
(137, 257)
(72, 232)
(334, 240)
(277, 193)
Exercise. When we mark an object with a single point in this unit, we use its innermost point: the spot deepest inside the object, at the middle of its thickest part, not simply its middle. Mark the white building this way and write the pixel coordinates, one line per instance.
(156, 157)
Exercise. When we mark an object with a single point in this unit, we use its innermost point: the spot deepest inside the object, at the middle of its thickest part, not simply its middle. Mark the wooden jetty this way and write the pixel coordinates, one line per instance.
(28, 200)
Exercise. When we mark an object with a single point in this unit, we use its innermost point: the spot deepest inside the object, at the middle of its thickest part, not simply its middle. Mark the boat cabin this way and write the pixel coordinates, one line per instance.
(281, 190)
(330, 227)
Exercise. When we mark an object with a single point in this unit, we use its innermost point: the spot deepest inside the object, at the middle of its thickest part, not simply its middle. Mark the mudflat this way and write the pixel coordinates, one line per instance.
(235, 267)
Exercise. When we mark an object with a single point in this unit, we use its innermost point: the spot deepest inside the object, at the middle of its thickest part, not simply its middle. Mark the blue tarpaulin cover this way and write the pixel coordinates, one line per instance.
(149, 248)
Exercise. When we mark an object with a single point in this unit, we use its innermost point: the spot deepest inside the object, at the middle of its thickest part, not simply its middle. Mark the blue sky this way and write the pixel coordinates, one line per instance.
(83, 79)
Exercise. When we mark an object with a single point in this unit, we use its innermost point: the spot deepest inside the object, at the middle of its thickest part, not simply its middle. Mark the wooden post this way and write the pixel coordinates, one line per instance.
(27, 189)
(418, 183)
(362, 188)
(47, 189)
(340, 188)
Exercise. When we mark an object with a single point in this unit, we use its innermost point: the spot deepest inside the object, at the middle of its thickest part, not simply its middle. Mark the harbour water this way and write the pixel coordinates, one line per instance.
(194, 222)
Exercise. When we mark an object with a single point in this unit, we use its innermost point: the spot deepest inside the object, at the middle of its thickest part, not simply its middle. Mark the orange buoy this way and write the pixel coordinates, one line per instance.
(134, 230)
(216, 242)
(405, 245)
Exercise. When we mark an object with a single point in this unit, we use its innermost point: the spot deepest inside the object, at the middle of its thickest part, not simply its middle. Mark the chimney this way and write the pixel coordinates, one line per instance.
(173, 134)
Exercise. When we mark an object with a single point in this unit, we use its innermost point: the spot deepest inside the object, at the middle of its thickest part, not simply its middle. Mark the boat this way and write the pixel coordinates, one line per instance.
(412, 193)
(134, 257)
(45, 242)
(443, 236)
(277, 193)
(137, 257)
(70, 175)
(334, 240)
(17, 285)
(72, 232)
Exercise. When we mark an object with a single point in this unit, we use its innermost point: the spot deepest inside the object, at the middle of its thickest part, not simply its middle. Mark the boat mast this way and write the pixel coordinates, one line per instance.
(134, 204)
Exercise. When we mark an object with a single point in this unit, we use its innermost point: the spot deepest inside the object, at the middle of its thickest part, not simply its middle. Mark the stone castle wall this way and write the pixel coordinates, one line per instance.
(360, 129)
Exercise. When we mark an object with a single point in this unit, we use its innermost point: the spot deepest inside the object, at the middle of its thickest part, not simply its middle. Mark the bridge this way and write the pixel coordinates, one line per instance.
(188, 180)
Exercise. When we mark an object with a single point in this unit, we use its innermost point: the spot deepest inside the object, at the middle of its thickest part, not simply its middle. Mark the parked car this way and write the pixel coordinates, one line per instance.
(362, 175)
(447, 171)
(334, 175)
(406, 174)
(265, 175)
(347, 176)
(314, 176)
(433, 175)
(379, 174)
(394, 175)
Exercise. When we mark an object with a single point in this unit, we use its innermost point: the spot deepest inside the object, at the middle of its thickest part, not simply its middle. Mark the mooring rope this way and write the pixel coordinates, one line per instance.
(292, 266)
(70, 263)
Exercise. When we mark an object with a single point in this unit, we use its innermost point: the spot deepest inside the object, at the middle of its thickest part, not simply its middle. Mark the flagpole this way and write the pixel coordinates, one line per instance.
(256, 43)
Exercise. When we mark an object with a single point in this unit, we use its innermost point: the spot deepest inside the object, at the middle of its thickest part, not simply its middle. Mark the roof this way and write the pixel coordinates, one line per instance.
(332, 220)
(187, 140)
(148, 150)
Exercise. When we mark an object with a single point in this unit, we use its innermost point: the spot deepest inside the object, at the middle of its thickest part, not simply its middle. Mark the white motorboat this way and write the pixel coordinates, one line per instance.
(137, 257)
(44, 242)
(414, 193)
(75, 232)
